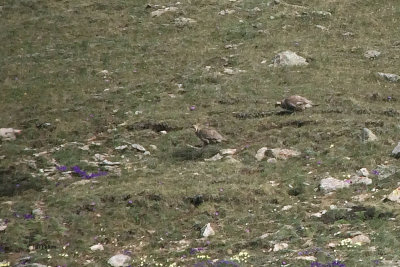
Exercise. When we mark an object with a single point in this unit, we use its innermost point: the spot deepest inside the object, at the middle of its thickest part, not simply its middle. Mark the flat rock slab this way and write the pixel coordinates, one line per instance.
(331, 184)
(288, 58)
(396, 151)
(389, 76)
(119, 260)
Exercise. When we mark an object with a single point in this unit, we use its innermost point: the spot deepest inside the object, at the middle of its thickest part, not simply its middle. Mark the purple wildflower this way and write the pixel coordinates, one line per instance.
(28, 216)
(375, 172)
(62, 168)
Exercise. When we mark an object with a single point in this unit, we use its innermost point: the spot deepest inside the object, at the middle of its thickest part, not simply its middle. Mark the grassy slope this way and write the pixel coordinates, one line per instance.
(51, 57)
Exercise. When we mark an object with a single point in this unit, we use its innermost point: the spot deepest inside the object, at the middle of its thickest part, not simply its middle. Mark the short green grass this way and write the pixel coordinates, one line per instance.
(108, 70)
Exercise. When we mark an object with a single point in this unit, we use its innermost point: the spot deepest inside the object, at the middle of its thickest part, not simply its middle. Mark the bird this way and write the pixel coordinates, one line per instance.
(295, 103)
(208, 135)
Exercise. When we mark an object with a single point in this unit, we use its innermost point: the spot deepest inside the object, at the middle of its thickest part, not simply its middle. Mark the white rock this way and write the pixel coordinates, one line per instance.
(226, 12)
(123, 147)
(163, 132)
(261, 153)
(288, 207)
(280, 246)
(3, 225)
(97, 247)
(207, 231)
(181, 21)
(288, 58)
(306, 258)
(368, 136)
(283, 153)
(215, 158)
(139, 147)
(110, 163)
(228, 151)
(360, 240)
(389, 76)
(318, 214)
(396, 151)
(321, 27)
(331, 184)
(159, 12)
(322, 13)
(154, 147)
(395, 195)
(363, 172)
(8, 133)
(119, 260)
(372, 54)
(231, 71)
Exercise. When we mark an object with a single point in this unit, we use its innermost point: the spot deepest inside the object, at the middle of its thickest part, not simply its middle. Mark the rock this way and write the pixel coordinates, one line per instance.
(119, 260)
(331, 184)
(360, 240)
(389, 76)
(109, 163)
(139, 147)
(123, 147)
(368, 136)
(159, 12)
(3, 225)
(363, 172)
(385, 171)
(231, 71)
(306, 258)
(361, 198)
(228, 151)
(395, 195)
(8, 134)
(396, 151)
(322, 13)
(207, 231)
(226, 12)
(283, 153)
(321, 27)
(38, 213)
(154, 147)
(288, 58)
(97, 247)
(181, 21)
(260, 155)
(360, 180)
(372, 54)
(280, 246)
(288, 207)
(214, 158)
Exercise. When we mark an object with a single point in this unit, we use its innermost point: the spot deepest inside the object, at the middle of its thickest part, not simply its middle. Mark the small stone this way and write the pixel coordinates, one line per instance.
(3, 225)
(121, 147)
(159, 12)
(360, 240)
(154, 147)
(363, 172)
(368, 136)
(389, 76)
(38, 213)
(184, 21)
(331, 245)
(322, 13)
(306, 258)
(288, 207)
(360, 180)
(97, 247)
(119, 260)
(280, 246)
(396, 151)
(228, 151)
(139, 147)
(288, 58)
(8, 134)
(207, 231)
(215, 158)
(395, 195)
(321, 27)
(372, 54)
(283, 153)
(331, 184)
(261, 153)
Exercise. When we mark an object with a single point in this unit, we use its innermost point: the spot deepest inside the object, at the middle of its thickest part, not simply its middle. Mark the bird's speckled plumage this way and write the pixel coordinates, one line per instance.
(208, 135)
(295, 103)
